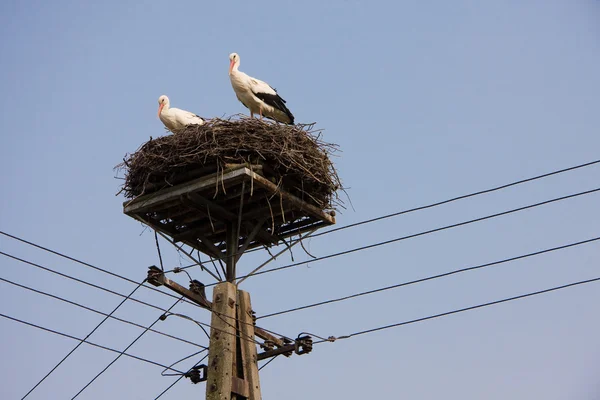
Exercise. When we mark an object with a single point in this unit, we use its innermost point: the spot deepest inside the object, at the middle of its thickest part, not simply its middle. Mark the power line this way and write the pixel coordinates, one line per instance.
(122, 352)
(108, 290)
(190, 256)
(82, 263)
(271, 258)
(506, 260)
(81, 340)
(170, 386)
(400, 238)
(92, 266)
(178, 379)
(442, 202)
(332, 338)
(201, 324)
(222, 317)
(180, 360)
(431, 205)
(462, 197)
(84, 339)
(91, 284)
(79, 280)
(300, 263)
(96, 311)
(471, 221)
(158, 250)
(491, 303)
(267, 363)
(165, 312)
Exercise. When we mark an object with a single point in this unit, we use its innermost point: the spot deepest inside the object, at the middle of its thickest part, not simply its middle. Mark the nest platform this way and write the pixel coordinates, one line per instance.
(246, 181)
(199, 212)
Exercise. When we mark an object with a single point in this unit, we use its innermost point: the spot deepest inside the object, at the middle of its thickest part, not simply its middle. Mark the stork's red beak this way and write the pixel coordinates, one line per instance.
(231, 64)
(160, 107)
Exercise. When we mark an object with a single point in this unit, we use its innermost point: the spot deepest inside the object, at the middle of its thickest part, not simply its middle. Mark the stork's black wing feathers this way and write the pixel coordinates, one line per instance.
(275, 100)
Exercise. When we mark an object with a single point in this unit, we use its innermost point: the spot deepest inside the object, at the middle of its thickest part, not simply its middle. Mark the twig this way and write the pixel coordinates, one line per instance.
(158, 249)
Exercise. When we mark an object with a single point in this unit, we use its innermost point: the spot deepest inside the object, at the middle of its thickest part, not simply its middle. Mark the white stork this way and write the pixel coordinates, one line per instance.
(174, 118)
(256, 95)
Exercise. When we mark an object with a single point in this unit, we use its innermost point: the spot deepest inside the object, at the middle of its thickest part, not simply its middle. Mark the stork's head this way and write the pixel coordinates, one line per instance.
(234, 62)
(163, 101)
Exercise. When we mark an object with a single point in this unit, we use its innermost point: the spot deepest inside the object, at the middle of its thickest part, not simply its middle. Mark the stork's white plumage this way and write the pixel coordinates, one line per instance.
(256, 95)
(174, 118)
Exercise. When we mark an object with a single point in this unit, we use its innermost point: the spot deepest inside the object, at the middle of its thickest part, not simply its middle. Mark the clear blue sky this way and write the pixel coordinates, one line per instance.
(427, 100)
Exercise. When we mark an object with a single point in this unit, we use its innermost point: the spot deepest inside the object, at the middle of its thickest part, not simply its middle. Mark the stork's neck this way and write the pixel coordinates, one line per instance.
(234, 70)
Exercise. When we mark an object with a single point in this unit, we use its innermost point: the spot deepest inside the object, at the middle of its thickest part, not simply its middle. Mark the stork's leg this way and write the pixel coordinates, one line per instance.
(260, 112)
(251, 114)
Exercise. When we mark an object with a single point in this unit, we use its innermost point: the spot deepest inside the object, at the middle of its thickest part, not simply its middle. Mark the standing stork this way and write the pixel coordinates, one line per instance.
(256, 95)
(174, 118)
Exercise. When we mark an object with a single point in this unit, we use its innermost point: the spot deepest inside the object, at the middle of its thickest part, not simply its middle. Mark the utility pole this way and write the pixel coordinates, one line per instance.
(223, 362)
(232, 361)
(224, 225)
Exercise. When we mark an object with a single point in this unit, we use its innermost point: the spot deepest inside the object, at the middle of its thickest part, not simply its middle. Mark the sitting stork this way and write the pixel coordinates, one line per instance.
(174, 118)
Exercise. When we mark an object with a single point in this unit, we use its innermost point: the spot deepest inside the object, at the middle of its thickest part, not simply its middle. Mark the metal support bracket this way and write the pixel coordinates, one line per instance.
(302, 345)
(197, 374)
(157, 277)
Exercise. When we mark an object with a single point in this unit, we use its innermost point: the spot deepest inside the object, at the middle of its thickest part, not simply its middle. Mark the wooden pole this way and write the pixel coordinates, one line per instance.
(232, 361)
(222, 347)
(249, 359)
(232, 372)
(231, 251)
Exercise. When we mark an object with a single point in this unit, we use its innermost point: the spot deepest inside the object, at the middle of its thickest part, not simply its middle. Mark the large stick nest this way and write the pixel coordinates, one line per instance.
(294, 157)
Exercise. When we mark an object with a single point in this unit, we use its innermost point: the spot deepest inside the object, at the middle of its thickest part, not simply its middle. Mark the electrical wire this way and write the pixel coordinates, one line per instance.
(491, 303)
(81, 340)
(178, 379)
(274, 257)
(425, 232)
(462, 197)
(471, 221)
(97, 311)
(201, 324)
(271, 258)
(79, 280)
(352, 225)
(122, 352)
(98, 268)
(108, 290)
(442, 202)
(165, 312)
(222, 317)
(237, 320)
(176, 270)
(191, 319)
(267, 363)
(178, 361)
(83, 263)
(88, 283)
(190, 256)
(162, 268)
(84, 339)
(241, 336)
(431, 205)
(472, 268)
